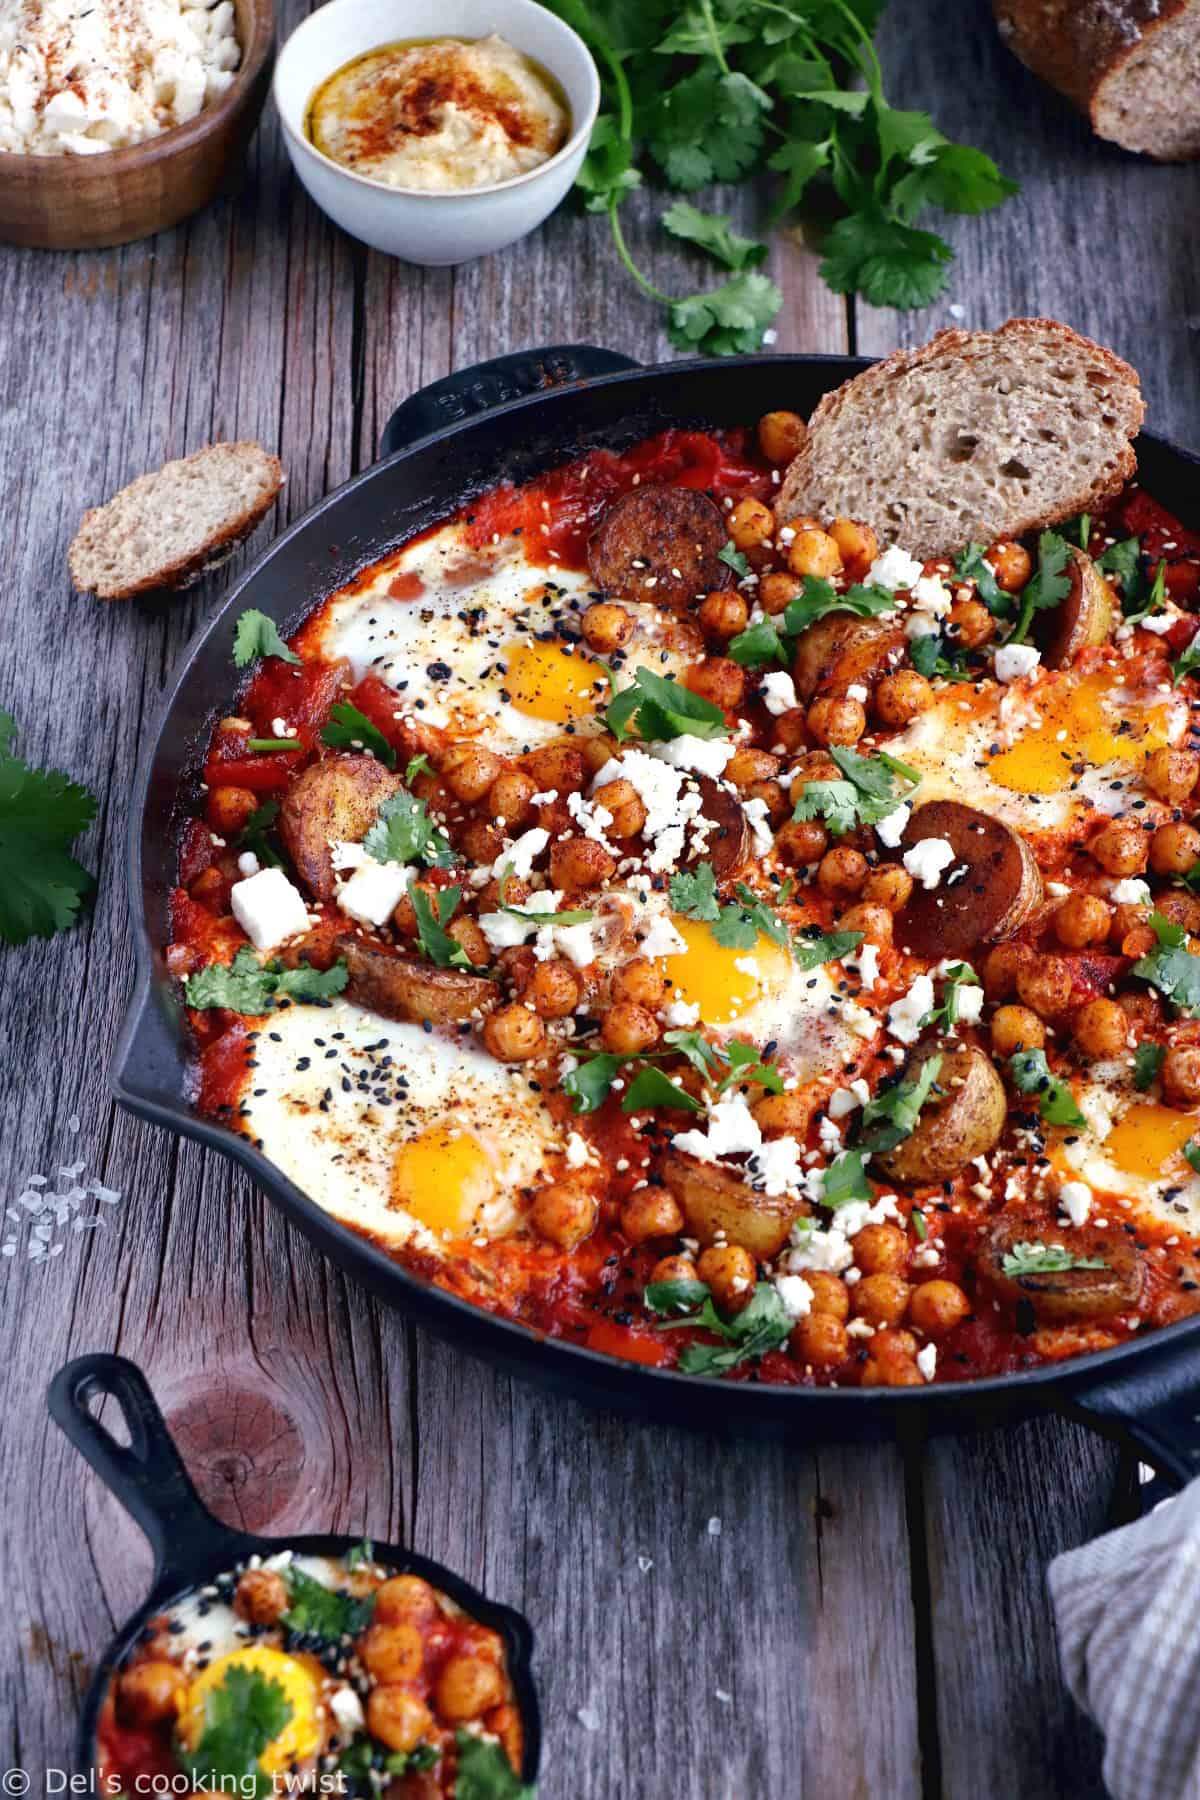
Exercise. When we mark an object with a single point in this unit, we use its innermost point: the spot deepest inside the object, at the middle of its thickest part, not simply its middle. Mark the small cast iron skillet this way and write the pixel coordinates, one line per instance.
(512, 419)
(191, 1547)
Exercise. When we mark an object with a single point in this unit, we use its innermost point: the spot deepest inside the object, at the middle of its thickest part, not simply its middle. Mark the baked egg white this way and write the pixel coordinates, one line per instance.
(1132, 1148)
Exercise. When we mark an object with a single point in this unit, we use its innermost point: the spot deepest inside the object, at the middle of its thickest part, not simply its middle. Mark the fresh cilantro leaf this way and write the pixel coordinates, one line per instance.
(416, 765)
(255, 835)
(928, 656)
(696, 1047)
(758, 645)
(247, 986)
(241, 1717)
(674, 1296)
(589, 1083)
(1047, 587)
(800, 163)
(735, 929)
(1031, 1075)
(727, 321)
(432, 916)
(886, 261)
(1046, 1259)
(1147, 1061)
(734, 559)
(829, 946)
(846, 1179)
(1151, 600)
(818, 598)
(917, 1221)
(485, 1773)
(650, 1087)
(403, 832)
(739, 925)
(660, 709)
(708, 127)
(957, 179)
(315, 1610)
(867, 795)
(1124, 560)
(746, 1065)
(360, 1553)
(694, 893)
(762, 1325)
(972, 565)
(256, 635)
(891, 1116)
(349, 729)
(945, 1016)
(714, 233)
(1186, 663)
(834, 801)
(1171, 968)
(607, 174)
(42, 812)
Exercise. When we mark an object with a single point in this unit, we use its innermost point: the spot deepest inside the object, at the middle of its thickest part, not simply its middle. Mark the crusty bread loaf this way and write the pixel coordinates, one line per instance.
(979, 435)
(165, 530)
(1133, 66)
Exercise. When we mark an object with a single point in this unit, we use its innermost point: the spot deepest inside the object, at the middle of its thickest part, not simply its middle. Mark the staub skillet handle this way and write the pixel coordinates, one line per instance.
(487, 384)
(146, 1475)
(1153, 1411)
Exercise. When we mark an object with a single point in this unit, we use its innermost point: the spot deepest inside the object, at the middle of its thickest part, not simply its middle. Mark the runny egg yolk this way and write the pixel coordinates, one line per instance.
(708, 975)
(552, 682)
(1076, 728)
(1148, 1138)
(445, 1178)
(299, 1739)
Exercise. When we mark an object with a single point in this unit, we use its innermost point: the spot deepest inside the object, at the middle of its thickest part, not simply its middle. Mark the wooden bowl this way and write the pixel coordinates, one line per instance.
(92, 202)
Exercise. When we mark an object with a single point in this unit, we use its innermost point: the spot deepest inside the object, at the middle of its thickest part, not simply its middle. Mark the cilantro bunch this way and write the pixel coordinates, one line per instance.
(42, 812)
(719, 90)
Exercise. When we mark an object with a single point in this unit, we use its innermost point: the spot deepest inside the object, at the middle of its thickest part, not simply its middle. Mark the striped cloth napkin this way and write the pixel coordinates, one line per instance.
(1128, 1612)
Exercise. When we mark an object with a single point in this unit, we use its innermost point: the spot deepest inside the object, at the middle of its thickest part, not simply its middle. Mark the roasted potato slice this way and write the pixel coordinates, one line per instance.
(962, 1118)
(716, 1203)
(1084, 617)
(336, 800)
(1000, 890)
(1065, 1296)
(842, 649)
(728, 843)
(404, 987)
(660, 543)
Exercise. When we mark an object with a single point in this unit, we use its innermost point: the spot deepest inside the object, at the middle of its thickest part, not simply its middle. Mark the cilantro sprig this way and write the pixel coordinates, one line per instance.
(1140, 597)
(1045, 1259)
(972, 565)
(403, 832)
(1170, 967)
(723, 1066)
(891, 1116)
(242, 1715)
(764, 1324)
(484, 1771)
(1031, 1075)
(256, 835)
(255, 635)
(737, 924)
(315, 1610)
(773, 640)
(1047, 587)
(42, 812)
(658, 709)
(247, 986)
(866, 794)
(433, 915)
(350, 729)
(1148, 1059)
(945, 1015)
(1187, 662)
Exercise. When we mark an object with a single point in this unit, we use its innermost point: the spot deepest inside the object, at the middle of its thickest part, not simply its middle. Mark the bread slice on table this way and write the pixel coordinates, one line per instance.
(1133, 66)
(979, 435)
(168, 529)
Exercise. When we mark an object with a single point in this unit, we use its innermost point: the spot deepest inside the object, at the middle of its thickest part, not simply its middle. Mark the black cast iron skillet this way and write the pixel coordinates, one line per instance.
(513, 418)
(191, 1547)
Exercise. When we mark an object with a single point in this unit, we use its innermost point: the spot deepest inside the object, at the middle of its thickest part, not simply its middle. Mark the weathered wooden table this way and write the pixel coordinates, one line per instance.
(864, 1622)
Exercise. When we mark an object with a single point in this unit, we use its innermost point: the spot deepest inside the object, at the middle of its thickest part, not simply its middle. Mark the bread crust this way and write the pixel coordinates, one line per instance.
(1081, 47)
(179, 572)
(869, 389)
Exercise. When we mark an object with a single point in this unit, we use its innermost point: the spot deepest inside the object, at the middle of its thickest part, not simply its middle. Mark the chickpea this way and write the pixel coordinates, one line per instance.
(937, 1307)
(393, 1652)
(228, 808)
(1180, 1075)
(830, 1295)
(1011, 564)
(149, 1692)
(1101, 1028)
(514, 1033)
(557, 766)
(890, 1374)
(516, 893)
(607, 626)
(801, 841)
(1127, 915)
(211, 888)
(814, 765)
(971, 623)
(781, 436)
(1172, 774)
(1182, 909)
(894, 1359)
(467, 1687)
(784, 1115)
(1000, 967)
(469, 771)
(650, 1213)
(773, 798)
(821, 1340)
(1044, 984)
(554, 990)
(745, 766)
(397, 1718)
(790, 729)
(814, 553)
(842, 872)
(776, 591)
(404, 1599)
(1082, 919)
(469, 937)
(564, 1214)
(858, 544)
(628, 1027)
(1120, 848)
(833, 719)
(719, 680)
(642, 981)
(674, 1268)
(1016, 1028)
(626, 805)
(751, 523)
(881, 1298)
(261, 1596)
(875, 923)
(1141, 1009)
(510, 798)
(888, 886)
(579, 863)
(723, 614)
(900, 697)
(881, 1250)
(481, 842)
(1174, 849)
(730, 1273)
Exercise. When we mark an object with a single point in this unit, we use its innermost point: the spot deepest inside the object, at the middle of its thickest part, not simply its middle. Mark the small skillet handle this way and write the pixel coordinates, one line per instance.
(1154, 1411)
(493, 383)
(146, 1475)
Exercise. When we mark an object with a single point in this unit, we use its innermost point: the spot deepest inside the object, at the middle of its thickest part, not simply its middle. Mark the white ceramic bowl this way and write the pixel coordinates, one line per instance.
(433, 228)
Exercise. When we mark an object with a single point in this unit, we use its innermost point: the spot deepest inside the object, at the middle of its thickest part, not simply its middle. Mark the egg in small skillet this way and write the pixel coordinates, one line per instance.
(299, 1739)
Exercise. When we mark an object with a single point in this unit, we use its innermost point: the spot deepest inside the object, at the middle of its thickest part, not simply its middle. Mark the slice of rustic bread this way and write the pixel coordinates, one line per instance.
(1133, 66)
(165, 530)
(979, 435)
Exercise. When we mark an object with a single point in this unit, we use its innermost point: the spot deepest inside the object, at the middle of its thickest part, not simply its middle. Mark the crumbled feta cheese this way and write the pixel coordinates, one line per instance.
(1130, 891)
(670, 801)
(931, 595)
(919, 625)
(829, 1250)
(519, 858)
(796, 1295)
(268, 908)
(904, 1015)
(1075, 1198)
(578, 1151)
(1158, 623)
(927, 1360)
(970, 1004)
(777, 691)
(703, 756)
(891, 828)
(346, 1708)
(928, 860)
(730, 1130)
(374, 891)
(867, 964)
(682, 1014)
(503, 931)
(575, 942)
(856, 691)
(592, 818)
(661, 938)
(895, 568)
(844, 1100)
(1015, 660)
(758, 819)
(248, 863)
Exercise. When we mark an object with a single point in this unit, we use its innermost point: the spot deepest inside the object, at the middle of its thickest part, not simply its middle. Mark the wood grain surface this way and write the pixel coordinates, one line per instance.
(864, 1622)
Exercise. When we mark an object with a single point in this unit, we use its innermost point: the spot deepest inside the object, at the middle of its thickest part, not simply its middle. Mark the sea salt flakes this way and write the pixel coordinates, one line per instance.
(43, 1211)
